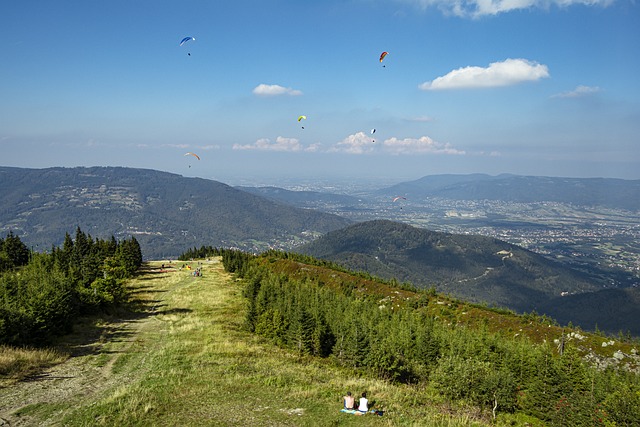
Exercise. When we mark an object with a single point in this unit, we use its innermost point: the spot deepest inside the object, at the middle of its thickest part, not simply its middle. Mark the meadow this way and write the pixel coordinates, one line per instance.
(180, 355)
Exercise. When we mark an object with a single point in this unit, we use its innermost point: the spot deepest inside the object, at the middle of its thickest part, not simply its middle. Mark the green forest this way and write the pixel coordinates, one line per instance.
(312, 308)
(42, 294)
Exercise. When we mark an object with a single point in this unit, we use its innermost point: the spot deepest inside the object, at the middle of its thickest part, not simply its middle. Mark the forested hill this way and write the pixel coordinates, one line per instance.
(612, 193)
(167, 213)
(474, 268)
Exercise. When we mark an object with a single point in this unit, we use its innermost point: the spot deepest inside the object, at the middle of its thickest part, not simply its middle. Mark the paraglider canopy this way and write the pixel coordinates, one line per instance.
(186, 39)
(192, 154)
(398, 198)
(302, 118)
(382, 55)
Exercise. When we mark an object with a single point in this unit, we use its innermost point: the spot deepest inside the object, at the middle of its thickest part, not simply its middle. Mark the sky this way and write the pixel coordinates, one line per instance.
(530, 87)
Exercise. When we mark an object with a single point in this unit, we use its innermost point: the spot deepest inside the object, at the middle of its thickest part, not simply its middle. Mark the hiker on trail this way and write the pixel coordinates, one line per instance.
(349, 401)
(364, 404)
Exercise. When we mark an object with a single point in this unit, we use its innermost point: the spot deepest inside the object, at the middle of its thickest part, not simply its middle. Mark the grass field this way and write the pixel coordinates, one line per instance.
(182, 358)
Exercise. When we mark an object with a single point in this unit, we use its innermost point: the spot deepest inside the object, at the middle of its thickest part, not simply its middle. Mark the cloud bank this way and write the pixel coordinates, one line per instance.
(505, 73)
(478, 8)
(359, 143)
(274, 90)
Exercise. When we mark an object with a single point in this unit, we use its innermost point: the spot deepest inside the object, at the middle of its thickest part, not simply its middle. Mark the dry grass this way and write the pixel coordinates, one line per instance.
(19, 363)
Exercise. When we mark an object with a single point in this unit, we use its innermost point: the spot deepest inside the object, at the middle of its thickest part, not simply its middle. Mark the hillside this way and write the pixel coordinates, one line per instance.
(116, 371)
(474, 268)
(612, 193)
(167, 213)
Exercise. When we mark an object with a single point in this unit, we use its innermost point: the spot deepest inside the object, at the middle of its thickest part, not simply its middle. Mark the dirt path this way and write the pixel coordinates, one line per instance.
(89, 371)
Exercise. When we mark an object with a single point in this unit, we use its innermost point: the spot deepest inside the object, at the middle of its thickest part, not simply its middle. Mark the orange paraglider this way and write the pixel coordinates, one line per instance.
(193, 154)
(382, 56)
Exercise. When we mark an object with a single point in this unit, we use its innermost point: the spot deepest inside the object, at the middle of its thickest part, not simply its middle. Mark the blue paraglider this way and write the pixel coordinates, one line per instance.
(186, 39)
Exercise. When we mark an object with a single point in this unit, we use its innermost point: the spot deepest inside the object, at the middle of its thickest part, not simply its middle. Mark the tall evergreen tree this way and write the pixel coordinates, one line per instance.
(16, 251)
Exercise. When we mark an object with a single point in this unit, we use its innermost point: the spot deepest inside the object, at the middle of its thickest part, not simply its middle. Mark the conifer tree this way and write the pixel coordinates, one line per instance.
(301, 329)
(17, 253)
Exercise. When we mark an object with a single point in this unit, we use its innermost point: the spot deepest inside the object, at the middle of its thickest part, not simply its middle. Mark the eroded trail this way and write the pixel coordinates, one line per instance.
(94, 351)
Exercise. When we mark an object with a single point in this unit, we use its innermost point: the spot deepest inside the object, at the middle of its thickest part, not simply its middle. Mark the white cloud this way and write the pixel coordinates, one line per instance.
(478, 8)
(274, 90)
(578, 92)
(422, 145)
(508, 72)
(281, 144)
(358, 143)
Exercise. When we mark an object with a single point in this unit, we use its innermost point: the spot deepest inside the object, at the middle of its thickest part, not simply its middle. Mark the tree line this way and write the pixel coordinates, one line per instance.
(42, 294)
(313, 316)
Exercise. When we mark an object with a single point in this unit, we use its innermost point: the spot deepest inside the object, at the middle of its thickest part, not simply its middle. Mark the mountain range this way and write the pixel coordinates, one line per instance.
(167, 213)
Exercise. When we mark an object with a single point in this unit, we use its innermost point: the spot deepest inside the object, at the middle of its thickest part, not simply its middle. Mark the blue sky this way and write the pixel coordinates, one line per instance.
(513, 86)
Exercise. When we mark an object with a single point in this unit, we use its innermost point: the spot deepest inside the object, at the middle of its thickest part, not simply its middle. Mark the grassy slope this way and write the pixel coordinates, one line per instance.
(187, 361)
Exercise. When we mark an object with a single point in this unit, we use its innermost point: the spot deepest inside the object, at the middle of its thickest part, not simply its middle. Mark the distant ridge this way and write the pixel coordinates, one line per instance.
(609, 192)
(167, 213)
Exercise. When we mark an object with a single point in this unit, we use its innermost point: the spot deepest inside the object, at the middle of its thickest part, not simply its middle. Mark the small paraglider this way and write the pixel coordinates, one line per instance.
(382, 56)
(302, 118)
(372, 132)
(185, 40)
(192, 154)
(395, 199)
